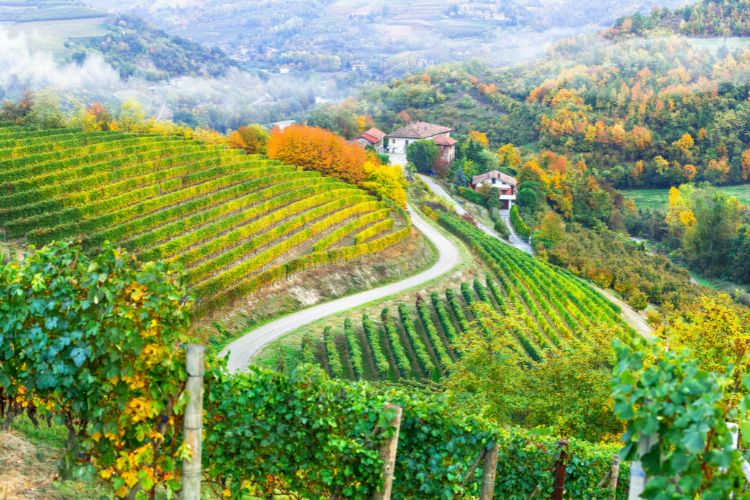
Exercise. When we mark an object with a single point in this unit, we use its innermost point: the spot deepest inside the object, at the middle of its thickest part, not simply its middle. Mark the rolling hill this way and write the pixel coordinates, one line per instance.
(234, 222)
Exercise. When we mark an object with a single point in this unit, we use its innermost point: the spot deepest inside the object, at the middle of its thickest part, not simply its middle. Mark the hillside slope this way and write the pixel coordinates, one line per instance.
(234, 222)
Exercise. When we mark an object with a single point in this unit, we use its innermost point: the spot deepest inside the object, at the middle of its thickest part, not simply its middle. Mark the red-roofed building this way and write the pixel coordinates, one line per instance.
(506, 186)
(447, 146)
(373, 137)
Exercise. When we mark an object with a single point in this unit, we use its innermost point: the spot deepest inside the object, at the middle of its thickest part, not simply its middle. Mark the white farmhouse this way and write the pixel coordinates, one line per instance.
(397, 141)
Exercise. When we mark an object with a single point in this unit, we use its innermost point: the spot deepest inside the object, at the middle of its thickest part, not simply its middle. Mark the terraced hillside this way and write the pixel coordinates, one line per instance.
(415, 342)
(234, 222)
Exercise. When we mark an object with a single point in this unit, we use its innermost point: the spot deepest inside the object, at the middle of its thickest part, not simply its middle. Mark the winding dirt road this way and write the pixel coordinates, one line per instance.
(242, 350)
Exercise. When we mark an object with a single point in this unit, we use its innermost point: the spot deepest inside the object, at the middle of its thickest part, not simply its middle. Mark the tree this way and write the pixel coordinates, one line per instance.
(684, 144)
(551, 230)
(459, 179)
(527, 198)
(386, 182)
(709, 236)
(508, 155)
(314, 148)
(479, 137)
(45, 111)
(716, 330)
(571, 390)
(253, 139)
(422, 154)
(131, 116)
(745, 174)
(488, 379)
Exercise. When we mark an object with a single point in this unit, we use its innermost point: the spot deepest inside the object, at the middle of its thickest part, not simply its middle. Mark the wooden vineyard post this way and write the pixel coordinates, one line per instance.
(611, 477)
(558, 489)
(489, 472)
(388, 454)
(614, 475)
(191, 467)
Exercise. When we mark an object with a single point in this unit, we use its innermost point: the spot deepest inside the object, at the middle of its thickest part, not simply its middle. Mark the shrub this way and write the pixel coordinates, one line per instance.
(472, 196)
(502, 229)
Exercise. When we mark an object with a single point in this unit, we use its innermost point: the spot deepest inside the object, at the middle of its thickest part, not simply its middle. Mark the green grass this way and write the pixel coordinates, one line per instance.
(657, 198)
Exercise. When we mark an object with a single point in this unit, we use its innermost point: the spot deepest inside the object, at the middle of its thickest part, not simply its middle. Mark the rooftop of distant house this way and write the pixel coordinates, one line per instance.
(419, 130)
(373, 135)
(444, 140)
(494, 174)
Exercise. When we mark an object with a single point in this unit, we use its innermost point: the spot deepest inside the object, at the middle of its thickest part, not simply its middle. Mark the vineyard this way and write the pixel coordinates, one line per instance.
(415, 342)
(233, 221)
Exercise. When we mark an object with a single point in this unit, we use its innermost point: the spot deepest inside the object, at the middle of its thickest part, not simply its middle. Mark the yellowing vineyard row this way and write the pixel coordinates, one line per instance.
(233, 221)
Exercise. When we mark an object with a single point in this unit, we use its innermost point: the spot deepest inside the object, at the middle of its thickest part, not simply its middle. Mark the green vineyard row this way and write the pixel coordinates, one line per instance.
(555, 308)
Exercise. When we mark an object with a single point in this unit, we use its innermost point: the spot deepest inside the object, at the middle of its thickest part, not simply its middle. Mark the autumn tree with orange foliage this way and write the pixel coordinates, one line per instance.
(314, 148)
(253, 139)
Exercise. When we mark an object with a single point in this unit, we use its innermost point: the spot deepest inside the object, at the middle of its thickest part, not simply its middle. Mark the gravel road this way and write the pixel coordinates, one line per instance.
(242, 350)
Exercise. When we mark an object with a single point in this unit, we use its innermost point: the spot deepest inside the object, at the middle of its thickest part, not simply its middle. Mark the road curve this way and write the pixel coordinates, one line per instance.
(242, 350)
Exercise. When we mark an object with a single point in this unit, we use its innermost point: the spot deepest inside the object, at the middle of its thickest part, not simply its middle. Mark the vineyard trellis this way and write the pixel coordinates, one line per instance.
(556, 309)
(235, 222)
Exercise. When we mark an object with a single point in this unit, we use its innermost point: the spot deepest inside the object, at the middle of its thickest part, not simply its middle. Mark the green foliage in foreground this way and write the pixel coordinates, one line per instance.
(316, 436)
(94, 342)
(668, 396)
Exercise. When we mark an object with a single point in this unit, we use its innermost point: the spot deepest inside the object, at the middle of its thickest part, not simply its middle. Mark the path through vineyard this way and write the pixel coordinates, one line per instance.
(630, 315)
(242, 350)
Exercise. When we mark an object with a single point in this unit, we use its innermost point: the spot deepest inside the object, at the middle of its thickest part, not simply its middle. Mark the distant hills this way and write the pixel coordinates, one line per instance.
(383, 39)
(135, 48)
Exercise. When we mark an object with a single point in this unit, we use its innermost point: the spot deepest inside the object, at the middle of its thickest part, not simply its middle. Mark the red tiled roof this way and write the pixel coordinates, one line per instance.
(419, 130)
(444, 140)
(376, 133)
(373, 136)
(494, 174)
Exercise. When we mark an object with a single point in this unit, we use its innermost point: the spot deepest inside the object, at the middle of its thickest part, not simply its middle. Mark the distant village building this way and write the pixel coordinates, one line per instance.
(359, 66)
(285, 69)
(279, 125)
(373, 137)
(505, 184)
(398, 140)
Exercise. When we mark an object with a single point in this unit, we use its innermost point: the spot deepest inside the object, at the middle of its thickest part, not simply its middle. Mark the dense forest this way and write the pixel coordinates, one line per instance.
(705, 18)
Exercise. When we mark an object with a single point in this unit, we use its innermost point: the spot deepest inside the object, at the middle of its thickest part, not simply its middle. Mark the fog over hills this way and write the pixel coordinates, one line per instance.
(390, 37)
